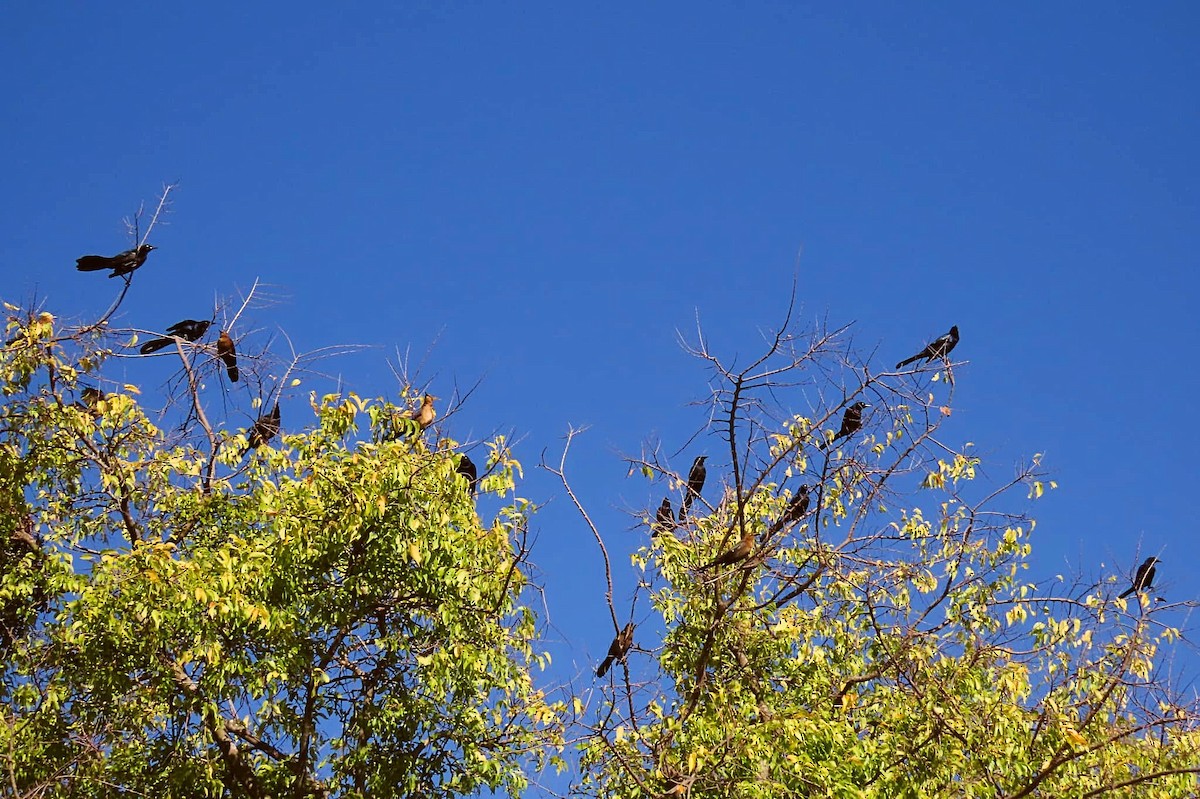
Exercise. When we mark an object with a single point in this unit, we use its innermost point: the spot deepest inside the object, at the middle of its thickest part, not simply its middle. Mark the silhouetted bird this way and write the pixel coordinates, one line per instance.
(618, 649)
(228, 355)
(265, 428)
(938, 348)
(466, 467)
(851, 420)
(91, 395)
(664, 520)
(695, 484)
(795, 509)
(735, 555)
(188, 330)
(121, 264)
(1143, 578)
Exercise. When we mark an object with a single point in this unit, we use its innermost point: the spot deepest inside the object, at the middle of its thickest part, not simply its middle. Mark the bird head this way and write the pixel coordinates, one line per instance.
(860, 405)
(1152, 561)
(954, 331)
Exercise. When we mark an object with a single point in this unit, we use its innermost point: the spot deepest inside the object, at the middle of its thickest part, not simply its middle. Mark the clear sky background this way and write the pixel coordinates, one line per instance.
(539, 196)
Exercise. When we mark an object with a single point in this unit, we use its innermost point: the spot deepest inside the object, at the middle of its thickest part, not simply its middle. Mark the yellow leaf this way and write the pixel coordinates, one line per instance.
(414, 552)
(130, 388)
(1074, 737)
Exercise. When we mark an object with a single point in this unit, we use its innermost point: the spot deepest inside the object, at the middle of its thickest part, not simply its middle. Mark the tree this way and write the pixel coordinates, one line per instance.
(325, 616)
(880, 642)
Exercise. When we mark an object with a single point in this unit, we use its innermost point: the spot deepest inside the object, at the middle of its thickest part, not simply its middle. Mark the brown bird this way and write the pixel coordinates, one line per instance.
(735, 555)
(618, 649)
(664, 520)
(188, 330)
(938, 348)
(695, 484)
(265, 428)
(121, 264)
(228, 354)
(424, 415)
(851, 421)
(466, 467)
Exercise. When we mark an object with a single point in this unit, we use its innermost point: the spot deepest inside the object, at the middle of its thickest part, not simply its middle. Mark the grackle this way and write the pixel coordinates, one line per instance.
(466, 467)
(664, 520)
(265, 428)
(695, 484)
(851, 421)
(121, 264)
(1143, 578)
(228, 354)
(795, 509)
(735, 555)
(618, 649)
(938, 348)
(188, 330)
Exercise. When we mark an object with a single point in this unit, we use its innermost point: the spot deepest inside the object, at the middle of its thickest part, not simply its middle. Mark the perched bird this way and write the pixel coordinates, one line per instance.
(664, 520)
(265, 428)
(188, 330)
(1143, 578)
(735, 555)
(851, 420)
(425, 414)
(795, 509)
(695, 484)
(938, 348)
(618, 649)
(228, 355)
(91, 395)
(121, 264)
(466, 467)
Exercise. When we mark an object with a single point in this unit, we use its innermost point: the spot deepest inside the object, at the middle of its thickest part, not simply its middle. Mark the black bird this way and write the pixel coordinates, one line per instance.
(795, 509)
(1143, 578)
(265, 428)
(695, 484)
(121, 264)
(735, 555)
(938, 348)
(466, 467)
(188, 330)
(227, 353)
(618, 649)
(664, 520)
(851, 420)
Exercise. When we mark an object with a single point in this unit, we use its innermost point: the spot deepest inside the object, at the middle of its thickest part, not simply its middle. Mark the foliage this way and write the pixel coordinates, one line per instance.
(883, 644)
(326, 616)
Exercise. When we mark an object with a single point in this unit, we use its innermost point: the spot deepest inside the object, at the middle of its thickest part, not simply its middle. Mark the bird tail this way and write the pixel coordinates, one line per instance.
(1130, 590)
(907, 361)
(154, 345)
(93, 263)
(600, 672)
(233, 373)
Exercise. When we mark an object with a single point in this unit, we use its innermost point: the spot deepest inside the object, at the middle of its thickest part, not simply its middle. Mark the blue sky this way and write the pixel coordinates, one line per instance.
(540, 196)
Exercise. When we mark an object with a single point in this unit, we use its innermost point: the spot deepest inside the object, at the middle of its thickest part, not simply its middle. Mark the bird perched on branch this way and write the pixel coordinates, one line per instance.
(795, 509)
(466, 467)
(121, 264)
(735, 555)
(938, 348)
(618, 649)
(695, 484)
(265, 428)
(424, 415)
(188, 330)
(1143, 578)
(664, 520)
(228, 355)
(851, 421)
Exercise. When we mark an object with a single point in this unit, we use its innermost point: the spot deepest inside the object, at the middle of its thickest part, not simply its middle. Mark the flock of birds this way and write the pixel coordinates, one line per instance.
(852, 421)
(266, 427)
